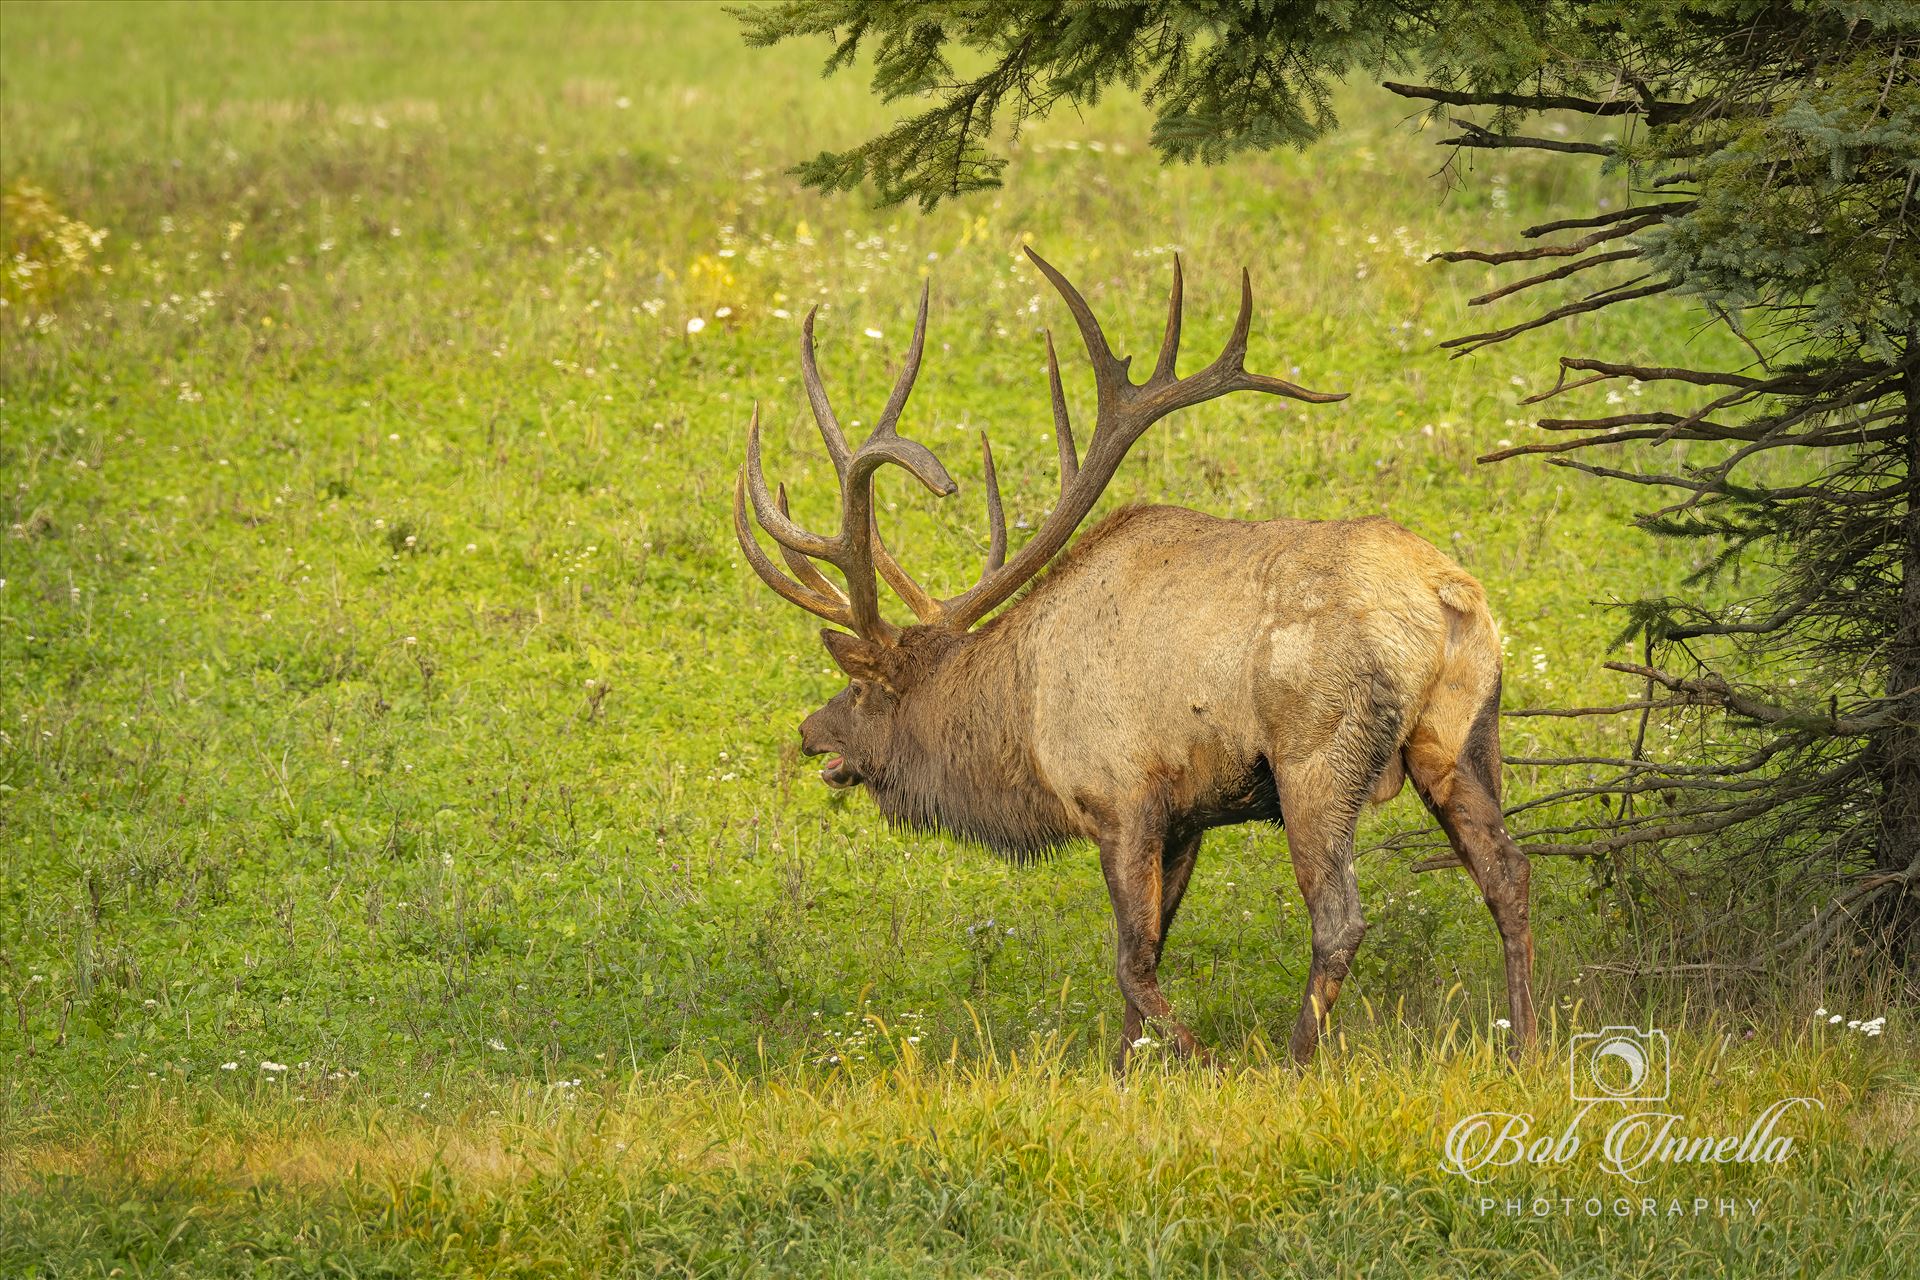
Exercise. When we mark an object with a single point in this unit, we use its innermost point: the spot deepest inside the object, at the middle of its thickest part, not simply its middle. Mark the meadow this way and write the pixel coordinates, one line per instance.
(406, 861)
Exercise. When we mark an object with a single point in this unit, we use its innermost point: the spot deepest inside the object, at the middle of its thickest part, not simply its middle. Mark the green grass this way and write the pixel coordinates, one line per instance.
(382, 695)
(1035, 1169)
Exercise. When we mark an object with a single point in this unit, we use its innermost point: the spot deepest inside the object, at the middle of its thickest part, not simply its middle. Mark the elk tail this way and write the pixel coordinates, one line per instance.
(1464, 708)
(1460, 593)
(1470, 626)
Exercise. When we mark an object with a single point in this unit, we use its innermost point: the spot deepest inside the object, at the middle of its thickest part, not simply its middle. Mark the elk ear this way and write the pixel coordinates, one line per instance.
(860, 659)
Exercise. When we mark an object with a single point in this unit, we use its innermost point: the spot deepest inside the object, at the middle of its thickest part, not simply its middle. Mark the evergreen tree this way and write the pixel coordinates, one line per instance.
(1776, 147)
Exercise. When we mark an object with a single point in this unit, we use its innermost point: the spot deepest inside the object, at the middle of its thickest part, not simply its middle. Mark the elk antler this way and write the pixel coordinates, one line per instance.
(856, 548)
(1124, 411)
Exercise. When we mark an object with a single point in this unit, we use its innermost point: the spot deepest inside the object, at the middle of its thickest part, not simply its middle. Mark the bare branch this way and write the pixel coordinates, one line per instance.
(1573, 249)
(1483, 138)
(1474, 341)
(1666, 209)
(1558, 273)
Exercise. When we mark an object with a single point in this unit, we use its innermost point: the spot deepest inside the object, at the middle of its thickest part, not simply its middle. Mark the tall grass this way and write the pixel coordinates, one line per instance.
(1022, 1163)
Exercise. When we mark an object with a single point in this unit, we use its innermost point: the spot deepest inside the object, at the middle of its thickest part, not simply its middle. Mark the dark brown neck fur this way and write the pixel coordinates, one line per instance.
(960, 759)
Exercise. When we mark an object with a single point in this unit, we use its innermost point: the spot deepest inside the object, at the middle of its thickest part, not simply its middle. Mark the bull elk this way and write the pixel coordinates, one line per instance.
(1171, 673)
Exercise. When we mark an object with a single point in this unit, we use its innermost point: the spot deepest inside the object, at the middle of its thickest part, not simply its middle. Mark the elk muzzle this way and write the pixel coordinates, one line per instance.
(837, 773)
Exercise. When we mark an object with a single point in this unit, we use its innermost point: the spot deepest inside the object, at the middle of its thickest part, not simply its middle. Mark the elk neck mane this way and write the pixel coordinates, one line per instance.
(960, 760)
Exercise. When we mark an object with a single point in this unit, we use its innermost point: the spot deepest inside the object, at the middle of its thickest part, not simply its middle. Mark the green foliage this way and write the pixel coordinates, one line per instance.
(1223, 78)
(1804, 207)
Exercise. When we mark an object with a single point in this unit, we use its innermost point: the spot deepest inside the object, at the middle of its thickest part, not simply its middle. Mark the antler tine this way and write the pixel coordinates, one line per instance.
(903, 386)
(1236, 348)
(817, 398)
(909, 455)
(1281, 387)
(996, 517)
(802, 567)
(1170, 344)
(916, 597)
(783, 530)
(1062, 428)
(833, 610)
(1109, 371)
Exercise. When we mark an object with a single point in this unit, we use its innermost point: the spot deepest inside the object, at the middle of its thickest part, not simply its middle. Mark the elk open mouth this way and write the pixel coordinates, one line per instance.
(838, 776)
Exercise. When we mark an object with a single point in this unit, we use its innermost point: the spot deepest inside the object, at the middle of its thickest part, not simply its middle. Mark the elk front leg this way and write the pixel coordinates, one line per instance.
(1135, 865)
(1176, 869)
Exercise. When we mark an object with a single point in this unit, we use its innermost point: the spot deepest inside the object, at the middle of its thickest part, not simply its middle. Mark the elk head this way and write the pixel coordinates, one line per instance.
(856, 725)
(885, 664)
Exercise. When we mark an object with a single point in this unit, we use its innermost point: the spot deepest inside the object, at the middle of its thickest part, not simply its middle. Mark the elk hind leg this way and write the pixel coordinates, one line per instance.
(1322, 795)
(1453, 757)
(1321, 844)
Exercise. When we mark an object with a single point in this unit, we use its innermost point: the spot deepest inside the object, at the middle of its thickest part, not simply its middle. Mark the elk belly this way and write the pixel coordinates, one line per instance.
(1390, 782)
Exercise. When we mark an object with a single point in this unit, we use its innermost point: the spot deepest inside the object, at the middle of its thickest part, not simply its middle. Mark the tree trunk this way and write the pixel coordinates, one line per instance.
(1899, 846)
